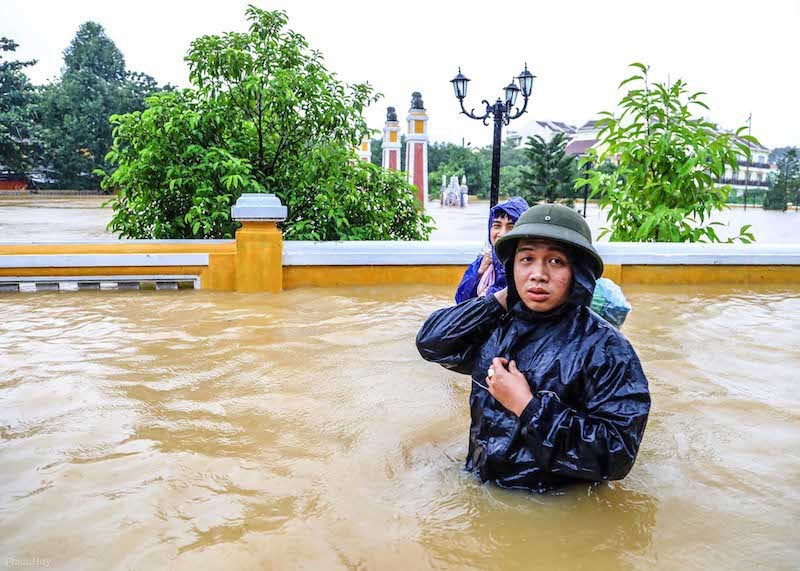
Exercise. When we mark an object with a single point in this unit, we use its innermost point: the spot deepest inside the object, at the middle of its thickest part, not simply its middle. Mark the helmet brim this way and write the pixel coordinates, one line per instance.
(505, 246)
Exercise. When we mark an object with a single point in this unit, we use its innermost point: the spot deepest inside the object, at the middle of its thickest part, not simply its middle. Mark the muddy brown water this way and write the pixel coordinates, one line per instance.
(196, 429)
(55, 219)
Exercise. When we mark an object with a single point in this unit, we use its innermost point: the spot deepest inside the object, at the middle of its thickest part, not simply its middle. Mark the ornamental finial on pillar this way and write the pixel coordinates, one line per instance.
(390, 157)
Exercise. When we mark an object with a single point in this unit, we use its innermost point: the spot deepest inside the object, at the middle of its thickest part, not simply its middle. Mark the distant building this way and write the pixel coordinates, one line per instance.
(545, 129)
(584, 139)
(753, 175)
(13, 182)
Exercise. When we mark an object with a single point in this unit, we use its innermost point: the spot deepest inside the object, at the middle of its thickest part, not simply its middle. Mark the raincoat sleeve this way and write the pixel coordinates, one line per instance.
(468, 288)
(600, 442)
(452, 336)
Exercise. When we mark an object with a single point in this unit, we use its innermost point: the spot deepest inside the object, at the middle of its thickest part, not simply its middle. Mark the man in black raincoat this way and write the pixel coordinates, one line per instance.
(558, 394)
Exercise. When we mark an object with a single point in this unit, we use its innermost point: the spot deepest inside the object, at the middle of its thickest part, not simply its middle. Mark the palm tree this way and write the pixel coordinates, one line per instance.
(551, 173)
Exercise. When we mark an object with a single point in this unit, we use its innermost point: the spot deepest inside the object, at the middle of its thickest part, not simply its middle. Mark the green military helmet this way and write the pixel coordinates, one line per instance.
(551, 222)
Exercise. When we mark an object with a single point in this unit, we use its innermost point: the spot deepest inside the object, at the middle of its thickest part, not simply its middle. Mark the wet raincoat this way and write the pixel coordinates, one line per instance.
(591, 399)
(468, 288)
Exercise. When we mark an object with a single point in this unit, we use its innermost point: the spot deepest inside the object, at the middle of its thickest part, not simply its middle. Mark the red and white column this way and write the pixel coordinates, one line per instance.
(417, 148)
(390, 158)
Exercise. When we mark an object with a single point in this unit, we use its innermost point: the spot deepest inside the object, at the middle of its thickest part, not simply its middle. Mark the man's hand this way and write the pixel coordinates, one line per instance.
(485, 263)
(509, 386)
(502, 297)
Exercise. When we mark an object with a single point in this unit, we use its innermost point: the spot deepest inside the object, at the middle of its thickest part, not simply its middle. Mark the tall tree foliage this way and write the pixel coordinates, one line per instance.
(448, 159)
(551, 174)
(74, 110)
(664, 188)
(264, 115)
(18, 144)
(776, 154)
(785, 186)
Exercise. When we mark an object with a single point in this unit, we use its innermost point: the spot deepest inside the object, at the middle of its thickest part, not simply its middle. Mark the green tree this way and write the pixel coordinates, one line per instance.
(264, 114)
(786, 185)
(180, 167)
(511, 156)
(776, 154)
(74, 111)
(449, 159)
(91, 50)
(18, 144)
(664, 188)
(512, 180)
(551, 172)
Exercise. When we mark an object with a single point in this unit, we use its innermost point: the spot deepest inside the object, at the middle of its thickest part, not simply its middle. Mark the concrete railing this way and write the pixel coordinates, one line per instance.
(258, 260)
(433, 253)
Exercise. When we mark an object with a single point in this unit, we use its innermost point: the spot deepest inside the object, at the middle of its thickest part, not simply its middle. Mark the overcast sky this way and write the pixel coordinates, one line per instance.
(744, 54)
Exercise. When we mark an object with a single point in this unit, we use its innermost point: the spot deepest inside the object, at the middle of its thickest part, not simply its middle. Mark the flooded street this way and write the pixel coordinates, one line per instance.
(55, 219)
(768, 226)
(197, 429)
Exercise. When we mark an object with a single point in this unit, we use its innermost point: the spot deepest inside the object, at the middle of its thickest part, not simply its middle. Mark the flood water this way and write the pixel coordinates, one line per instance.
(209, 430)
(54, 219)
(768, 226)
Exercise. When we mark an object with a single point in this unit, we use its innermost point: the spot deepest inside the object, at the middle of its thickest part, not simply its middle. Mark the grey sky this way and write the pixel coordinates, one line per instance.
(578, 50)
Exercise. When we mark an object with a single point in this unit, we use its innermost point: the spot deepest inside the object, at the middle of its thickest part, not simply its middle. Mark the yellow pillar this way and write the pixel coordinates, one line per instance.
(259, 243)
(259, 254)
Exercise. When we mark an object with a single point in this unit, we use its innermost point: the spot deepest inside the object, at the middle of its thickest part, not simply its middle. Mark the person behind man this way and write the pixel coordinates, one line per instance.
(486, 274)
(558, 394)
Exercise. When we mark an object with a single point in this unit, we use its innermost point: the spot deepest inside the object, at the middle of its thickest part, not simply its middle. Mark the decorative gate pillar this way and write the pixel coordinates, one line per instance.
(417, 147)
(365, 150)
(390, 158)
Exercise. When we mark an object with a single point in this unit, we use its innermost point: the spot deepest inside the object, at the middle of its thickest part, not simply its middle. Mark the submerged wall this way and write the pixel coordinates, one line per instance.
(259, 260)
(273, 265)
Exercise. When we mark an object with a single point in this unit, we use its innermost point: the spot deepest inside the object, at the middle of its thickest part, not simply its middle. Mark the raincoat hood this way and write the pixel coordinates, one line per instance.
(513, 208)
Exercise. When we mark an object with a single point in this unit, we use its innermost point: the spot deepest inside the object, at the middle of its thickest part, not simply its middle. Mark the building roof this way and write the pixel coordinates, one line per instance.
(588, 125)
(753, 146)
(557, 126)
(567, 128)
(576, 148)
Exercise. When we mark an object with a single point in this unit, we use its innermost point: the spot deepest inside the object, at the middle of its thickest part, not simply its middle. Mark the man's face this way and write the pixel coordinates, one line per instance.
(542, 274)
(500, 226)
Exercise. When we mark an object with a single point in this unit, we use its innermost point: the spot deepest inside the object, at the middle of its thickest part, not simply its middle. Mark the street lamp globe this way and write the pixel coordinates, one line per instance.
(502, 112)
(526, 82)
(460, 85)
(512, 91)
